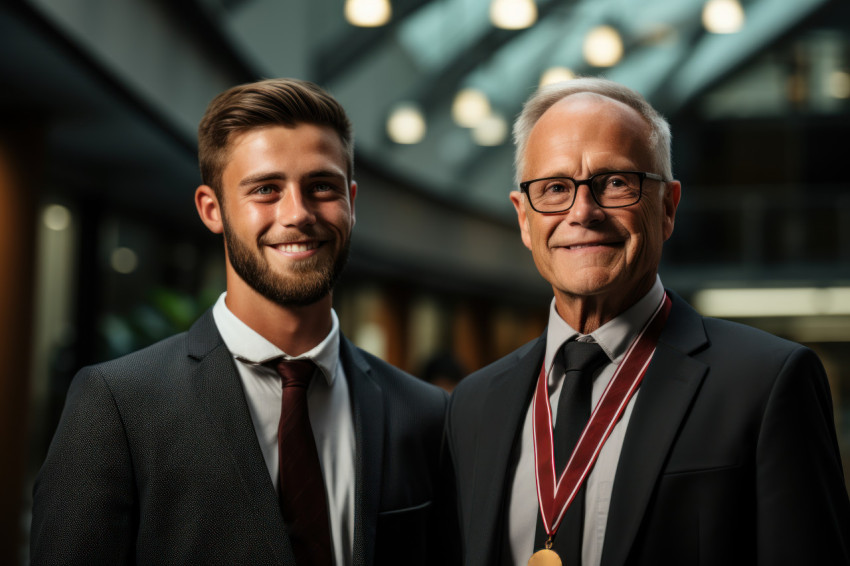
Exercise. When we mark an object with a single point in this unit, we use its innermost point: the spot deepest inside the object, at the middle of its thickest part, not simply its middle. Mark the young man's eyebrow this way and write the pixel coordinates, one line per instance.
(323, 173)
(262, 177)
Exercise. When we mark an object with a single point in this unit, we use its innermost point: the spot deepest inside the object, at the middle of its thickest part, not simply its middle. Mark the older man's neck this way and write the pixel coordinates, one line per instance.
(586, 314)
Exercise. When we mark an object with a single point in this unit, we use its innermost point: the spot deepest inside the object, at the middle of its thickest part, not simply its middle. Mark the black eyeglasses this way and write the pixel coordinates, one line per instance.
(611, 189)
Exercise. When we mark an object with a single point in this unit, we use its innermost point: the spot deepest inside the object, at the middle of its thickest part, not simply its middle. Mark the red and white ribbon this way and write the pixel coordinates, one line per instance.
(554, 498)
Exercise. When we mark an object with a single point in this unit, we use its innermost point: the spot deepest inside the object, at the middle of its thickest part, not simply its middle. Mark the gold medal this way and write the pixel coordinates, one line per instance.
(545, 557)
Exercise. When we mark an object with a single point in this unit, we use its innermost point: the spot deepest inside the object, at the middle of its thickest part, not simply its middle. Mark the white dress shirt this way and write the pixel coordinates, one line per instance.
(614, 337)
(329, 409)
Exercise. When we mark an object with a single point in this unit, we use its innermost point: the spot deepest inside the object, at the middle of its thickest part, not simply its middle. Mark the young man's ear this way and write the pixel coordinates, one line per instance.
(209, 209)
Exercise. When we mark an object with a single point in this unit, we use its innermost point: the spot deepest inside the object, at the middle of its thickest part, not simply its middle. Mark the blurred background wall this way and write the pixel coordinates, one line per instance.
(102, 252)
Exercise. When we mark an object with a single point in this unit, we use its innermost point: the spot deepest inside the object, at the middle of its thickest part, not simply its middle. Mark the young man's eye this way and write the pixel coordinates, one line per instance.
(264, 190)
(329, 189)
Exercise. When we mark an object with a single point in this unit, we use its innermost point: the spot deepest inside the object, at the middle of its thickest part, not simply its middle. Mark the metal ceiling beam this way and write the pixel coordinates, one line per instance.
(199, 21)
(358, 42)
(768, 21)
(437, 87)
(434, 87)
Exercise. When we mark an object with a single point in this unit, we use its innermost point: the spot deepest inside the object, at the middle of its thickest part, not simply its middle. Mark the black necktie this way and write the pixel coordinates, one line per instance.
(302, 488)
(580, 360)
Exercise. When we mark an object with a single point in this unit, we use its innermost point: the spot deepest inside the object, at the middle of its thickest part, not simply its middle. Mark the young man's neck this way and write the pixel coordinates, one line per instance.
(293, 329)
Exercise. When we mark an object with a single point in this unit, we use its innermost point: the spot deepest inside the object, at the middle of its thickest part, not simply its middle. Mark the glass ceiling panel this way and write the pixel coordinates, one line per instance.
(439, 32)
(650, 30)
(509, 75)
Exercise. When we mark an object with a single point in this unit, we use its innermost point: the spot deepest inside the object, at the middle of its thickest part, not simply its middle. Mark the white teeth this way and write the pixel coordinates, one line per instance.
(300, 247)
(580, 246)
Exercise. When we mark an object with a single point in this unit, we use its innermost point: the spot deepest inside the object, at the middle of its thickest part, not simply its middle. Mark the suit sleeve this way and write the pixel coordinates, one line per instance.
(84, 501)
(803, 508)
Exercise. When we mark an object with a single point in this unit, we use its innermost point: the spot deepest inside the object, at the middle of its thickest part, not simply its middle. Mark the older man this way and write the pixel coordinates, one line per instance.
(677, 439)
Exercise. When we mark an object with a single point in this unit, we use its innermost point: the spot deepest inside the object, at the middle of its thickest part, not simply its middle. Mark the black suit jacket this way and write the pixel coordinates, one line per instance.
(730, 456)
(155, 461)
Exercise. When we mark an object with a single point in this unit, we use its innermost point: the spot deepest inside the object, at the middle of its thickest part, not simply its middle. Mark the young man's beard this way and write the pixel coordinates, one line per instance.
(309, 280)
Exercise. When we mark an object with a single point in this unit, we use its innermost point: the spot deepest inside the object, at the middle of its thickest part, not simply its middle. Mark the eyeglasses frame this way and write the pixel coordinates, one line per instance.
(578, 183)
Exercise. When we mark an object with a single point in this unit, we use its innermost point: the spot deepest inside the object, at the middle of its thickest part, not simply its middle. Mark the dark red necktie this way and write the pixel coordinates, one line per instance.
(302, 488)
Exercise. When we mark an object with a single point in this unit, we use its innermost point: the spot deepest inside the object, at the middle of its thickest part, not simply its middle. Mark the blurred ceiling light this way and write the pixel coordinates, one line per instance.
(723, 16)
(56, 217)
(368, 13)
(554, 75)
(470, 106)
(838, 84)
(124, 260)
(603, 47)
(491, 131)
(513, 14)
(803, 301)
(406, 124)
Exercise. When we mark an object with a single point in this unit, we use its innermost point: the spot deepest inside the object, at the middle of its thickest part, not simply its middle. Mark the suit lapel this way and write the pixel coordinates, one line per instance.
(494, 451)
(217, 386)
(368, 416)
(671, 382)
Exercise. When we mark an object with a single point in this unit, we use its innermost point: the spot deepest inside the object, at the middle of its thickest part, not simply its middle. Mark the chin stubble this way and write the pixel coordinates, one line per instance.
(309, 280)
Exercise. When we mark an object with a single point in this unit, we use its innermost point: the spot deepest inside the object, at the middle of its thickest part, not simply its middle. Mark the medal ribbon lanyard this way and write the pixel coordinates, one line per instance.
(555, 497)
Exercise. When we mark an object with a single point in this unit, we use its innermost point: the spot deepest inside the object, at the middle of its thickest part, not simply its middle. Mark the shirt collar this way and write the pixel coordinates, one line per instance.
(614, 336)
(249, 347)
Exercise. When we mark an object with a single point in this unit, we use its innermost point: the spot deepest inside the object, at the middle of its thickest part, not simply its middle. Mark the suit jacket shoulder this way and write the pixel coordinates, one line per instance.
(400, 384)
(162, 362)
(485, 414)
(470, 389)
(154, 454)
(730, 456)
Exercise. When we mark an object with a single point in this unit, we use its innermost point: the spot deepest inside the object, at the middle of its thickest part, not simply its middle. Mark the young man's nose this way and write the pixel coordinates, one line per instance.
(294, 208)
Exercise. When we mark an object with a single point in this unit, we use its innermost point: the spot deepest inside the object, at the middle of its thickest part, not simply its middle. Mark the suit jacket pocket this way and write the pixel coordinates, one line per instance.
(402, 536)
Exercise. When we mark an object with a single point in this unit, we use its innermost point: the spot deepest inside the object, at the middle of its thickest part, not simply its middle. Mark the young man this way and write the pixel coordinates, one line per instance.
(724, 454)
(262, 435)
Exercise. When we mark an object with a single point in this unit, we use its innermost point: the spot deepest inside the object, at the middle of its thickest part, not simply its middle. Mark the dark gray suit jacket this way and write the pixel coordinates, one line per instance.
(730, 456)
(155, 461)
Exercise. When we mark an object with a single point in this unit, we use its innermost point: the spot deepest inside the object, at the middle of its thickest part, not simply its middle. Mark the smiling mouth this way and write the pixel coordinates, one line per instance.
(594, 245)
(298, 247)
